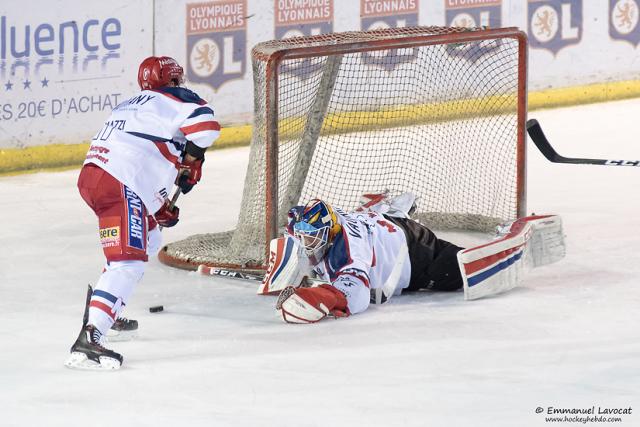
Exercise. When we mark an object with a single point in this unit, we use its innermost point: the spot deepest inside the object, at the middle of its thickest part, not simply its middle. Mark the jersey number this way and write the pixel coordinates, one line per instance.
(108, 127)
(390, 227)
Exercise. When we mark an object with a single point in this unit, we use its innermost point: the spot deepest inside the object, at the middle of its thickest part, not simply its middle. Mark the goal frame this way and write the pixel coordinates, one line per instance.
(274, 59)
(272, 54)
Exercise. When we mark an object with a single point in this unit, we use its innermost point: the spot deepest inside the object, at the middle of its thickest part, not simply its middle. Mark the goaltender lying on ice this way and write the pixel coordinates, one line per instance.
(334, 263)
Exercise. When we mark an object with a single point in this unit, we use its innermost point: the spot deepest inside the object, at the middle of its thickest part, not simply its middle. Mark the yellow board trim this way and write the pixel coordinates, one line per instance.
(67, 156)
(14, 161)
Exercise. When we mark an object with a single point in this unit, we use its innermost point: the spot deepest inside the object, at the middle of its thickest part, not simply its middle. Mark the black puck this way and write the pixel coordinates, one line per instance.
(156, 309)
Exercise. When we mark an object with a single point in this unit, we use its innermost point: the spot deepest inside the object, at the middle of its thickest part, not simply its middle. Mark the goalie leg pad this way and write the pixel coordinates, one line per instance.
(500, 265)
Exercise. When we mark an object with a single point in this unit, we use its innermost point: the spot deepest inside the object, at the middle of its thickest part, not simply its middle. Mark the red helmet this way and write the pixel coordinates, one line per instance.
(158, 71)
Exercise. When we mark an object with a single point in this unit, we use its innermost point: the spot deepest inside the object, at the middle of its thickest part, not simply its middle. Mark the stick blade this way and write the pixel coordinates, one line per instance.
(538, 137)
(207, 270)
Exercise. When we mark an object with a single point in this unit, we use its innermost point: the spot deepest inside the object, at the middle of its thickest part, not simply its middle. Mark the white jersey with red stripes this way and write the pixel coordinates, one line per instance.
(142, 141)
(370, 253)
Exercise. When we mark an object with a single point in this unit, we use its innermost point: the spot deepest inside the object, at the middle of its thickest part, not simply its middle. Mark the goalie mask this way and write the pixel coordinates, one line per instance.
(316, 227)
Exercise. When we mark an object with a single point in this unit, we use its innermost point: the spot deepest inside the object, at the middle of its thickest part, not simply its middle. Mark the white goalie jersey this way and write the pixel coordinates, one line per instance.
(370, 253)
(142, 141)
(368, 259)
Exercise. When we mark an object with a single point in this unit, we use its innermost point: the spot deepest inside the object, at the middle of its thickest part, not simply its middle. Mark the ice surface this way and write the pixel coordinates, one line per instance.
(218, 355)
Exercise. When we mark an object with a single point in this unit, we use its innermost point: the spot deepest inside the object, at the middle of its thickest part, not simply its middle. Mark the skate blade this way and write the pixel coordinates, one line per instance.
(80, 361)
(116, 336)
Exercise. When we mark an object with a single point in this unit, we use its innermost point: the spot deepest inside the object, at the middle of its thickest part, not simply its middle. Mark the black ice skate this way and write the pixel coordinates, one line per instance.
(89, 353)
(123, 329)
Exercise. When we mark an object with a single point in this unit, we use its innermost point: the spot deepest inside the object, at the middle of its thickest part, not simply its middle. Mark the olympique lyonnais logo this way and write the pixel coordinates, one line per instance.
(380, 14)
(295, 18)
(216, 41)
(479, 13)
(554, 24)
(623, 21)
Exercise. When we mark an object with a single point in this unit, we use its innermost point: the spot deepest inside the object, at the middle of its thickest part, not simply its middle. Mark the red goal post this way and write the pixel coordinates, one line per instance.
(437, 111)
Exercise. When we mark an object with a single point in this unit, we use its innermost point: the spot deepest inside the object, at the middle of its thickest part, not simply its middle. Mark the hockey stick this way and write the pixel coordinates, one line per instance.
(173, 201)
(541, 141)
(206, 270)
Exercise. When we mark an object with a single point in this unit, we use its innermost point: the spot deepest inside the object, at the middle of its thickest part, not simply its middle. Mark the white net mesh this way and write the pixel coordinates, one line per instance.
(441, 120)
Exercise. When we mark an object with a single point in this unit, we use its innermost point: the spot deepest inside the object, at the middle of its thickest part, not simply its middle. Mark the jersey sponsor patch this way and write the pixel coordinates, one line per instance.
(110, 237)
(135, 220)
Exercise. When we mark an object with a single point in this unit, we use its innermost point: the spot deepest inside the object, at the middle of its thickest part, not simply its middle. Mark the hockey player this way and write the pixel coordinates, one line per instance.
(362, 251)
(151, 141)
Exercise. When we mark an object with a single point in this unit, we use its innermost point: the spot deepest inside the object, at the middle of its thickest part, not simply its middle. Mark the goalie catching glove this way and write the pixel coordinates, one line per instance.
(310, 305)
(190, 169)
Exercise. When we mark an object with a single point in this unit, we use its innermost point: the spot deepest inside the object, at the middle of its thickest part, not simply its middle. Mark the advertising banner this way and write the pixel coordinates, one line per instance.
(216, 42)
(65, 64)
(62, 69)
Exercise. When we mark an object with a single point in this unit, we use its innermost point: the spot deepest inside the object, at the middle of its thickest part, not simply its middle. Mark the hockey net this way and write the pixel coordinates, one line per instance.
(436, 111)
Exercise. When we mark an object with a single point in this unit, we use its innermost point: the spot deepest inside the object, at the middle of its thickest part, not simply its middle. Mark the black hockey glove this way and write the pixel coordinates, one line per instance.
(190, 169)
(189, 174)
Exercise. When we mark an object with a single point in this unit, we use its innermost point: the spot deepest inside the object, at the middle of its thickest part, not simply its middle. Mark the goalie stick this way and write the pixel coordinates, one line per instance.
(206, 270)
(541, 141)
